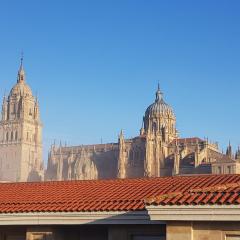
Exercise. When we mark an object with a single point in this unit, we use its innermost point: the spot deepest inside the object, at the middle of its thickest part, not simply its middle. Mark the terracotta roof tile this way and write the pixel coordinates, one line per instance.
(217, 190)
(118, 195)
(232, 198)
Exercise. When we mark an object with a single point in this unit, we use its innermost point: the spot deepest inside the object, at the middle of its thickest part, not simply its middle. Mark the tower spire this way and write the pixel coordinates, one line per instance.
(121, 136)
(21, 73)
(21, 65)
(159, 94)
(4, 96)
(142, 130)
(229, 150)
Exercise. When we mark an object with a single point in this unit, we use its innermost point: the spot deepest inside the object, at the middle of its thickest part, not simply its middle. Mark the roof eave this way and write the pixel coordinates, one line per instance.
(77, 218)
(194, 212)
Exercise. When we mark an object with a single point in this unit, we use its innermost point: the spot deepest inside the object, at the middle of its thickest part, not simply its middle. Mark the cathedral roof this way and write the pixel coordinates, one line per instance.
(187, 140)
(117, 195)
(159, 107)
(225, 159)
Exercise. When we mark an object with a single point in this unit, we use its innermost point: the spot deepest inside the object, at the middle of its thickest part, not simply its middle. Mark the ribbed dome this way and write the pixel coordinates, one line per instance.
(21, 89)
(159, 107)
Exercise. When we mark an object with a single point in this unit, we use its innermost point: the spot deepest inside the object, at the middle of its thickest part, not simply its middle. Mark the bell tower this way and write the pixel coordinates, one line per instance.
(20, 134)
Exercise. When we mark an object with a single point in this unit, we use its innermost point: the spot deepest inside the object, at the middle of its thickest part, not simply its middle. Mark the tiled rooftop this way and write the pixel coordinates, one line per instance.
(118, 195)
(220, 194)
(187, 140)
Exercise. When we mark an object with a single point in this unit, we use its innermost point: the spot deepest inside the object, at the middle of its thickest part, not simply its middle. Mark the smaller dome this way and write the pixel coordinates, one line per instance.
(159, 107)
(21, 89)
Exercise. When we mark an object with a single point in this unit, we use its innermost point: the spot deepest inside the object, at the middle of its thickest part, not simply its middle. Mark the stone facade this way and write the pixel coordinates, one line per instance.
(20, 134)
(228, 164)
(82, 162)
(171, 230)
(203, 230)
(157, 151)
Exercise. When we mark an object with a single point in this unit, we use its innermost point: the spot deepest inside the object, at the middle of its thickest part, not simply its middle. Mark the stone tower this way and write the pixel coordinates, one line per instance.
(160, 130)
(20, 134)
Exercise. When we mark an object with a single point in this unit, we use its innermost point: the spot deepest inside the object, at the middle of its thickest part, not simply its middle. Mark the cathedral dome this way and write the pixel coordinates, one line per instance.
(159, 107)
(21, 89)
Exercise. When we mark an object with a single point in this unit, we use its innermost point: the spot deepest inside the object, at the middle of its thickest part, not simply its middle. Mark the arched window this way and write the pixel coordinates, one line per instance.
(163, 133)
(16, 135)
(7, 136)
(131, 155)
(136, 155)
(11, 135)
(154, 126)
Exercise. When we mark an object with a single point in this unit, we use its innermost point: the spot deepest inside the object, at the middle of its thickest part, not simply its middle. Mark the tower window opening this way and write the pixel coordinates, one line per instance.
(7, 136)
(136, 155)
(163, 133)
(16, 135)
(11, 135)
(154, 126)
(131, 155)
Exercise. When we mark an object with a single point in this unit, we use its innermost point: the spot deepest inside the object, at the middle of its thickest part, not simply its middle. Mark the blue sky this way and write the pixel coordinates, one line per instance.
(95, 64)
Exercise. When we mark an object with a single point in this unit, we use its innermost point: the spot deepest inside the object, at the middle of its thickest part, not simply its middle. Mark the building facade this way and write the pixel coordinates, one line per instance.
(157, 151)
(229, 164)
(20, 134)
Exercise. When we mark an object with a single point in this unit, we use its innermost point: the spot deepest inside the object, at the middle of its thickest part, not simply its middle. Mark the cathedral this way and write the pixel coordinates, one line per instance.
(156, 151)
(21, 134)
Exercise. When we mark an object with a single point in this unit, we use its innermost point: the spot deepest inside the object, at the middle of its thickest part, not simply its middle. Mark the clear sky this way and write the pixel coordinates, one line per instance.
(96, 64)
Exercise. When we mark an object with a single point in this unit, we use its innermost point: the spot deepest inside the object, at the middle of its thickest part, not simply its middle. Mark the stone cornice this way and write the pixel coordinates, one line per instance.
(194, 213)
(59, 218)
